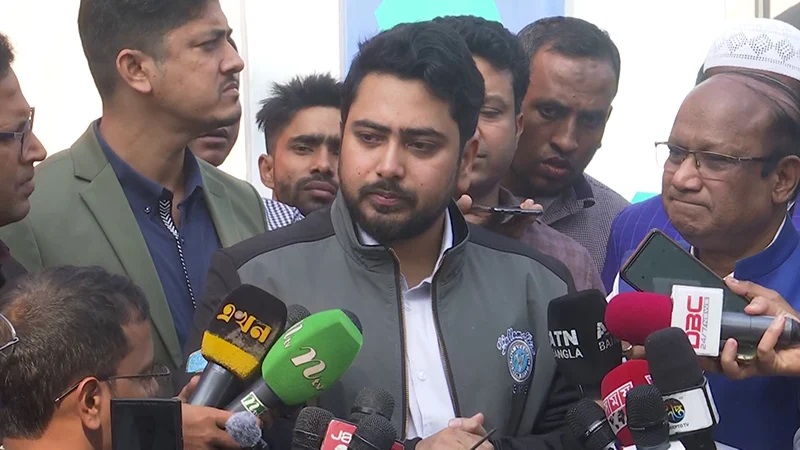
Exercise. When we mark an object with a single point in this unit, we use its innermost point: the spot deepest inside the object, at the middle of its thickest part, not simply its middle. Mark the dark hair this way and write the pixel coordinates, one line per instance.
(69, 322)
(572, 37)
(491, 41)
(286, 100)
(430, 52)
(107, 27)
(6, 55)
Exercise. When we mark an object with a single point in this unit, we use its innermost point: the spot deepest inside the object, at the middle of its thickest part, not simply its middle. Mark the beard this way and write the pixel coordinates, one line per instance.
(387, 229)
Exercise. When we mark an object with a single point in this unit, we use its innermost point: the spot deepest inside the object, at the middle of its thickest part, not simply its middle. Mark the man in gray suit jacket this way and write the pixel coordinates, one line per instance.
(129, 195)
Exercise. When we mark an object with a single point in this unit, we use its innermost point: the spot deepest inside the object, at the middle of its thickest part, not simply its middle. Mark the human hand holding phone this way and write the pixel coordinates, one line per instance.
(509, 221)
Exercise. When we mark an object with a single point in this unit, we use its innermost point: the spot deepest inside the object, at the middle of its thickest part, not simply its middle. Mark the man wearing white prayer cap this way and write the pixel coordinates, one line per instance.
(734, 220)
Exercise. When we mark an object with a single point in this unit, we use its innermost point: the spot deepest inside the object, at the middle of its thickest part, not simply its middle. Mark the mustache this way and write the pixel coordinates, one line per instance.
(388, 186)
(322, 178)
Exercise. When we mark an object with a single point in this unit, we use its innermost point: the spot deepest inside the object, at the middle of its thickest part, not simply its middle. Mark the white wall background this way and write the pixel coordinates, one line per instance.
(662, 43)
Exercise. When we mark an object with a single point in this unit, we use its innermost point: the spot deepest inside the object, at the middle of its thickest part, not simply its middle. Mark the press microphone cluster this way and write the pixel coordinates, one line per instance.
(369, 427)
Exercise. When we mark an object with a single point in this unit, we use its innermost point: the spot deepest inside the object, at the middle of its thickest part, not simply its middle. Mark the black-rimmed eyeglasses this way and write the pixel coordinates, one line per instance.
(23, 136)
(150, 381)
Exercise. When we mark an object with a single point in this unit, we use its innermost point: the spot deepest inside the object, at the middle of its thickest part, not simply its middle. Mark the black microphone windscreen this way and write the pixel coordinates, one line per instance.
(647, 417)
(371, 401)
(353, 318)
(295, 313)
(373, 433)
(310, 428)
(588, 424)
(584, 349)
(673, 362)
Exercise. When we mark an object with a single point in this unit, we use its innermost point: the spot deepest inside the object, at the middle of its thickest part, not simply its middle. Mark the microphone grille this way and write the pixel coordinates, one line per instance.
(374, 432)
(673, 362)
(371, 401)
(647, 418)
(588, 424)
(295, 313)
(353, 318)
(314, 419)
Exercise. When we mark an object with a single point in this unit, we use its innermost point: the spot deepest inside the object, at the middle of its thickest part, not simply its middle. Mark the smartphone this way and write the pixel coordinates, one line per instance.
(508, 210)
(660, 263)
(146, 424)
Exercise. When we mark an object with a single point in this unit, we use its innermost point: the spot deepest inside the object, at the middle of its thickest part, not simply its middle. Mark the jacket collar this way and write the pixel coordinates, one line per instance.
(772, 257)
(377, 258)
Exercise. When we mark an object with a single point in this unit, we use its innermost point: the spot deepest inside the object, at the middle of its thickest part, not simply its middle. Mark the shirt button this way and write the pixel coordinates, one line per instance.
(421, 375)
(147, 210)
(408, 307)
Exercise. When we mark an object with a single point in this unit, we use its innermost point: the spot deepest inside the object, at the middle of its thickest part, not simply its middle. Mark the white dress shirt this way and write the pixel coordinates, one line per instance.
(430, 405)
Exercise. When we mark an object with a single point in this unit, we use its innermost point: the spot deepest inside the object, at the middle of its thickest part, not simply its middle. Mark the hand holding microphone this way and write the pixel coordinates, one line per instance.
(769, 359)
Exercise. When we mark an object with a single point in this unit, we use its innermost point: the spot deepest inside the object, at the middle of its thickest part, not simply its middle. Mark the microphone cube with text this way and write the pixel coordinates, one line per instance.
(308, 358)
(698, 311)
(583, 348)
(240, 335)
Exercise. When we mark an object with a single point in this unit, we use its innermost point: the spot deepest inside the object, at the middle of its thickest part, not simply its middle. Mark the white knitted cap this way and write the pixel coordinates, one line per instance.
(759, 44)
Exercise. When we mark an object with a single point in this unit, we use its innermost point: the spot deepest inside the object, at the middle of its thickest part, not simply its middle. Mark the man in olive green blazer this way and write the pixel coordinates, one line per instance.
(80, 216)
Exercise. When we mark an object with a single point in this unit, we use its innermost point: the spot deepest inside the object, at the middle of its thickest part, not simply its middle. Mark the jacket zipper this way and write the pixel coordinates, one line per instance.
(403, 368)
(443, 348)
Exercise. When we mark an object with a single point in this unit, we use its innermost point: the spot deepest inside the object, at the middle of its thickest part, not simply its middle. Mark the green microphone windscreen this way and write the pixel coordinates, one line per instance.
(311, 356)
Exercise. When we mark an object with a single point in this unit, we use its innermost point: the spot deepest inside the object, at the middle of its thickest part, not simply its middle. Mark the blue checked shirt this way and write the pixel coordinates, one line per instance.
(280, 214)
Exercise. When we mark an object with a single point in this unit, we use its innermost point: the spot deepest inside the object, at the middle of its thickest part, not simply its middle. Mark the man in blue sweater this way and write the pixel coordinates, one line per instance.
(731, 168)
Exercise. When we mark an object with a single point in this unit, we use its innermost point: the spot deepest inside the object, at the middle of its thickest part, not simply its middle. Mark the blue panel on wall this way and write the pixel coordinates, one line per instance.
(364, 18)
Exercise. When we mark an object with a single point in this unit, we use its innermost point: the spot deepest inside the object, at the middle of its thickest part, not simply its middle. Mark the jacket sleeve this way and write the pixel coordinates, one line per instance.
(21, 241)
(222, 278)
(550, 432)
(613, 260)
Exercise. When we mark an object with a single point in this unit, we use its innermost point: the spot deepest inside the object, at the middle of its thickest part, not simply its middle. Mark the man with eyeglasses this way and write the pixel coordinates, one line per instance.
(84, 338)
(731, 166)
(19, 150)
(726, 55)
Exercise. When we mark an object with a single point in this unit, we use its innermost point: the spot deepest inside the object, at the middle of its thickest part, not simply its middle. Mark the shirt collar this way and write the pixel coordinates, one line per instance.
(129, 177)
(447, 241)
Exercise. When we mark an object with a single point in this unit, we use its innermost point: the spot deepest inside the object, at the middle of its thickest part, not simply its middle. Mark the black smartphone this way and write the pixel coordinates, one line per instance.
(146, 424)
(660, 263)
(508, 210)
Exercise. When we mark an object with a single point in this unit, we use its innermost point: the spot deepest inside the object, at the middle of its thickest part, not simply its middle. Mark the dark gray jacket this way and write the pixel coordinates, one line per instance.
(486, 285)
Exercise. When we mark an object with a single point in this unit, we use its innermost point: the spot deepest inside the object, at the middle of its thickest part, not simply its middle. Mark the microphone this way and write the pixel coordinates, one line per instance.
(584, 349)
(243, 428)
(614, 389)
(375, 432)
(633, 316)
(294, 313)
(647, 418)
(588, 424)
(246, 326)
(309, 429)
(308, 359)
(371, 401)
(677, 375)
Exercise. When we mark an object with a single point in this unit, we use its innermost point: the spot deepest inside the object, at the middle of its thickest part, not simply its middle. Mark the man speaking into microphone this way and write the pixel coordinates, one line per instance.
(454, 317)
